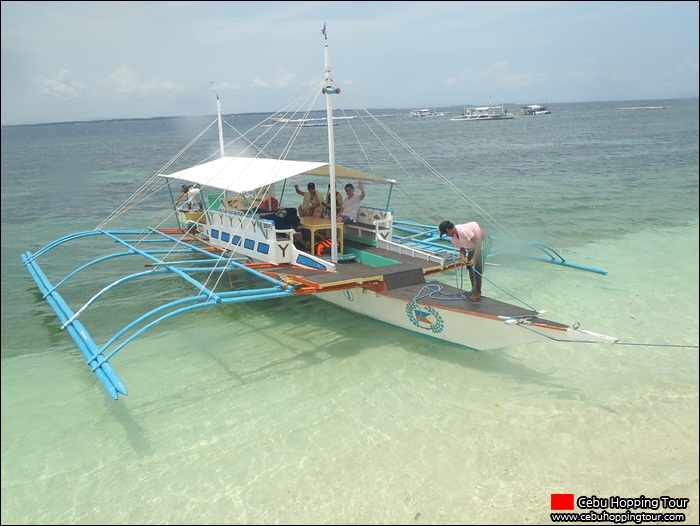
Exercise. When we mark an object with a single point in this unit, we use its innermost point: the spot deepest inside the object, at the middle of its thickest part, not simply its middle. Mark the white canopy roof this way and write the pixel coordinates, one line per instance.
(244, 174)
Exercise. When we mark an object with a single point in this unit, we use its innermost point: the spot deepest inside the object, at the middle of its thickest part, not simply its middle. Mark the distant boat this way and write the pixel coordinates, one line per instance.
(483, 113)
(645, 108)
(425, 112)
(534, 109)
(312, 124)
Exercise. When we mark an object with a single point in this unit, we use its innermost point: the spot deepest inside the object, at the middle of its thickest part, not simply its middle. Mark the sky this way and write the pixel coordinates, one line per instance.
(76, 61)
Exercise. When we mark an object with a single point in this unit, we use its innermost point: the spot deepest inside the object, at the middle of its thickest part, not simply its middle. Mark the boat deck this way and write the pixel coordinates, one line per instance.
(444, 296)
(372, 264)
(405, 280)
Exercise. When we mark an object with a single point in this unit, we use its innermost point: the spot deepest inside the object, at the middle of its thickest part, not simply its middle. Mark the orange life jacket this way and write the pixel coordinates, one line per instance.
(324, 246)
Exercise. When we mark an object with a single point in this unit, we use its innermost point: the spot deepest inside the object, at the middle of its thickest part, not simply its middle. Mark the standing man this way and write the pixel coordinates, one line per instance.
(472, 242)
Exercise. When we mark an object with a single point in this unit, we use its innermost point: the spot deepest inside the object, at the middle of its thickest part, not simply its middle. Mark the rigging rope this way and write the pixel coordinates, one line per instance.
(529, 328)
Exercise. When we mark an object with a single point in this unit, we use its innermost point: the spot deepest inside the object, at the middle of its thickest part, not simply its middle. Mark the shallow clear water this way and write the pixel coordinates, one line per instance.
(296, 412)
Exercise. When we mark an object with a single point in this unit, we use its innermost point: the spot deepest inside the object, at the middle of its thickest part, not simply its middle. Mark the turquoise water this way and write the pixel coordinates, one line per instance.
(279, 412)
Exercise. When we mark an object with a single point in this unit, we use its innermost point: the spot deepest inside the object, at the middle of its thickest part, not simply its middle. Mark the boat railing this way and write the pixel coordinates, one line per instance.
(406, 250)
(373, 224)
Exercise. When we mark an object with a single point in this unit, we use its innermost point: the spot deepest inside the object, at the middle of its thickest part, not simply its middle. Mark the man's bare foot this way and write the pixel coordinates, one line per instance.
(475, 297)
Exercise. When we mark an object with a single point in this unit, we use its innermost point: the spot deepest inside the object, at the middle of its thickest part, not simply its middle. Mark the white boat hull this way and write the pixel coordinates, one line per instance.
(470, 330)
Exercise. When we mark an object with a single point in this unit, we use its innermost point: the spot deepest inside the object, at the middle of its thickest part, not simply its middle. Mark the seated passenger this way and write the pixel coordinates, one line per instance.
(311, 206)
(352, 203)
(327, 205)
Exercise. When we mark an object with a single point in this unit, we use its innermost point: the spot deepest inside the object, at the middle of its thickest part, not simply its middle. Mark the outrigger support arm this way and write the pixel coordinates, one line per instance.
(94, 355)
(425, 235)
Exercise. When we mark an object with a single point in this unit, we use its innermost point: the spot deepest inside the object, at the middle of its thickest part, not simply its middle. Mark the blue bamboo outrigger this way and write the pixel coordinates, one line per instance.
(377, 266)
(98, 356)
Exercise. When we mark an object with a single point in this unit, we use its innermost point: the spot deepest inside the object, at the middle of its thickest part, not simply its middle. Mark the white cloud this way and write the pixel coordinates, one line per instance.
(281, 79)
(125, 80)
(61, 86)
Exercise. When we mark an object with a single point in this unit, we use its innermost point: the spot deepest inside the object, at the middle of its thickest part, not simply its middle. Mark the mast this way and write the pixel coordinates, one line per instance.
(329, 90)
(221, 127)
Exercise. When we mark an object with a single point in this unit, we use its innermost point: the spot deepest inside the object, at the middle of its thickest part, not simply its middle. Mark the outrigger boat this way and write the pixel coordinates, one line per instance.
(426, 112)
(534, 109)
(379, 267)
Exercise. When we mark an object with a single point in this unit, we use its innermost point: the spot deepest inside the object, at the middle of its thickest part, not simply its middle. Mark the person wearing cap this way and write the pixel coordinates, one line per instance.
(311, 206)
(473, 244)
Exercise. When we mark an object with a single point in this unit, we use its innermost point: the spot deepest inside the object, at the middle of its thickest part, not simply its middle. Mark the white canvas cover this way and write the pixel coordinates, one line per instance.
(244, 174)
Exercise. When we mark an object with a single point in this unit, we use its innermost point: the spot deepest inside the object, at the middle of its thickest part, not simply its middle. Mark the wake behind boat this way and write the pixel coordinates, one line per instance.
(645, 108)
(248, 244)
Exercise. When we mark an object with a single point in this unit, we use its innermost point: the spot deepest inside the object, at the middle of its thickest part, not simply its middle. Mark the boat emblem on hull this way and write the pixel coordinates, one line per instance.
(425, 317)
